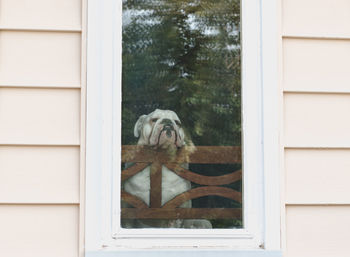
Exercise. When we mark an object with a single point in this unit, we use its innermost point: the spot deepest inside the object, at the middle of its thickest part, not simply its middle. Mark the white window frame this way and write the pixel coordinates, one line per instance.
(261, 204)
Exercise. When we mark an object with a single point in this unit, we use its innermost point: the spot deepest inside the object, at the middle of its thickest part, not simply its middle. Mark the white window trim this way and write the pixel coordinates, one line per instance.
(260, 128)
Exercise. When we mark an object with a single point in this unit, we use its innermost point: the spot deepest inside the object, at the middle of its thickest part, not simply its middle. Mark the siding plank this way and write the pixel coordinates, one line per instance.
(39, 116)
(39, 174)
(316, 17)
(312, 120)
(316, 65)
(38, 230)
(62, 14)
(317, 176)
(40, 59)
(318, 231)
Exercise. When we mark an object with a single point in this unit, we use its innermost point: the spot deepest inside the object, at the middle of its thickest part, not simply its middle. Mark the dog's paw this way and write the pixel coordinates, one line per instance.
(195, 223)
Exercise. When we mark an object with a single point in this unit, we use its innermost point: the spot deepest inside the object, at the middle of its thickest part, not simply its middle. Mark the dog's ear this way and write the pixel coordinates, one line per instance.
(138, 125)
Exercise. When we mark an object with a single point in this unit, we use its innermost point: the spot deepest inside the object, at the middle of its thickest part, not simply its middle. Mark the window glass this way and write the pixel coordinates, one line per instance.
(181, 114)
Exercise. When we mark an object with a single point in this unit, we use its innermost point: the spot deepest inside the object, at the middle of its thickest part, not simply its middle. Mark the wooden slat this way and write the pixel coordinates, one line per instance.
(182, 213)
(40, 58)
(203, 191)
(206, 180)
(156, 185)
(200, 154)
(63, 14)
(133, 200)
(39, 116)
(131, 171)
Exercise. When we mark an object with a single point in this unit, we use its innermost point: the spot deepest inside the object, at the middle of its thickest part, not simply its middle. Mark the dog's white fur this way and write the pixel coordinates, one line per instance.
(161, 129)
(149, 129)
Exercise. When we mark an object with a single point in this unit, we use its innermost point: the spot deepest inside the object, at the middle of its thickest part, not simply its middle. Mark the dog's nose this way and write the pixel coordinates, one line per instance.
(167, 122)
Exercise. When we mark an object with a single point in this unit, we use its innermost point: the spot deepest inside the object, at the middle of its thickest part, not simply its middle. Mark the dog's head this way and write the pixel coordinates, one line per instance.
(160, 128)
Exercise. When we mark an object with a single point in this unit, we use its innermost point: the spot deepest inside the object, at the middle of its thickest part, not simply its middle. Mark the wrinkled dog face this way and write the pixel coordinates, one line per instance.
(160, 128)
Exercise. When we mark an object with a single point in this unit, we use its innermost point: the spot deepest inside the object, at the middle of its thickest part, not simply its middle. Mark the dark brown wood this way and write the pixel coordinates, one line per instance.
(205, 180)
(181, 213)
(131, 171)
(203, 191)
(133, 200)
(156, 185)
(144, 156)
(188, 154)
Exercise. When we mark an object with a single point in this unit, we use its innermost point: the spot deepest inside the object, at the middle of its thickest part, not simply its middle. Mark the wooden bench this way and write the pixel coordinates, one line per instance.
(143, 156)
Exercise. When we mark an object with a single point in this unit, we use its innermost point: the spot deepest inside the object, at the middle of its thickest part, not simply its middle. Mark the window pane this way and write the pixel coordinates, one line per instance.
(181, 114)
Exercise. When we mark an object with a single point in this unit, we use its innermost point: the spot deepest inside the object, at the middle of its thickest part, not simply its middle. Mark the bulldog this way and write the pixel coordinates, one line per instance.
(161, 129)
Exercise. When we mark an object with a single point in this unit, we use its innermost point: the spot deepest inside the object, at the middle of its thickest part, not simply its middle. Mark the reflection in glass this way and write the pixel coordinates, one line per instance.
(182, 56)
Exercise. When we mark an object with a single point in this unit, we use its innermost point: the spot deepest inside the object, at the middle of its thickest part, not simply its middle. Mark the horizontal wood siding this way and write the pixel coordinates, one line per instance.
(321, 231)
(39, 230)
(316, 120)
(315, 57)
(40, 59)
(41, 14)
(39, 174)
(39, 116)
(319, 18)
(317, 176)
(42, 88)
(316, 65)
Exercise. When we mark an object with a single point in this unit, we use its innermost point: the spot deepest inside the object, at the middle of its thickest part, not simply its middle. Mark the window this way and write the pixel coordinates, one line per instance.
(250, 222)
(181, 115)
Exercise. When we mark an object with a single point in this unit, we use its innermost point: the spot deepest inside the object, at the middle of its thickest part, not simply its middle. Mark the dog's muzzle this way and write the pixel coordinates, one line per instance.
(168, 133)
(168, 127)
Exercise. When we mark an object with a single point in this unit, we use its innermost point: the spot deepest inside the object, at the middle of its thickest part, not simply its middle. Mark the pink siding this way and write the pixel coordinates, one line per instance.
(42, 90)
(315, 58)
(42, 96)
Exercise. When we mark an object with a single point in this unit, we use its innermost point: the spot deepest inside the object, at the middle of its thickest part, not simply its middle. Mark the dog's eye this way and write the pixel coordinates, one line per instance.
(154, 120)
(178, 123)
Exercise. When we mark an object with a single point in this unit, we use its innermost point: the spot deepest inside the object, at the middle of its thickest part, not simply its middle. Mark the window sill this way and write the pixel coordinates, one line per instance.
(185, 253)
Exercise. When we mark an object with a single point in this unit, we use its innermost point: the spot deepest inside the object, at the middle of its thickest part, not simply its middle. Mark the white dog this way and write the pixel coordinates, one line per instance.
(161, 129)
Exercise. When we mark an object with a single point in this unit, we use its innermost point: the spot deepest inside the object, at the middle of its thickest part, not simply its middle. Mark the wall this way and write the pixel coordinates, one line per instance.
(42, 88)
(316, 86)
(42, 109)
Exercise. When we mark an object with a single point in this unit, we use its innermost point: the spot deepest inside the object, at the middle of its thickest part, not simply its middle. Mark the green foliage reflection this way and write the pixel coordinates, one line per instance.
(183, 55)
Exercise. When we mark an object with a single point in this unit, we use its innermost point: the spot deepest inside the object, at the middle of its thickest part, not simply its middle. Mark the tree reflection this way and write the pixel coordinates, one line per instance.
(184, 55)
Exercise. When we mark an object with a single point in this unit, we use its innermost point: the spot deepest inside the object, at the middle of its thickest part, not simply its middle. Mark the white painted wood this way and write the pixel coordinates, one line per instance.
(318, 231)
(316, 120)
(39, 174)
(95, 128)
(39, 230)
(104, 52)
(63, 14)
(40, 58)
(186, 253)
(39, 116)
(83, 106)
(271, 117)
(316, 17)
(316, 65)
(317, 176)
